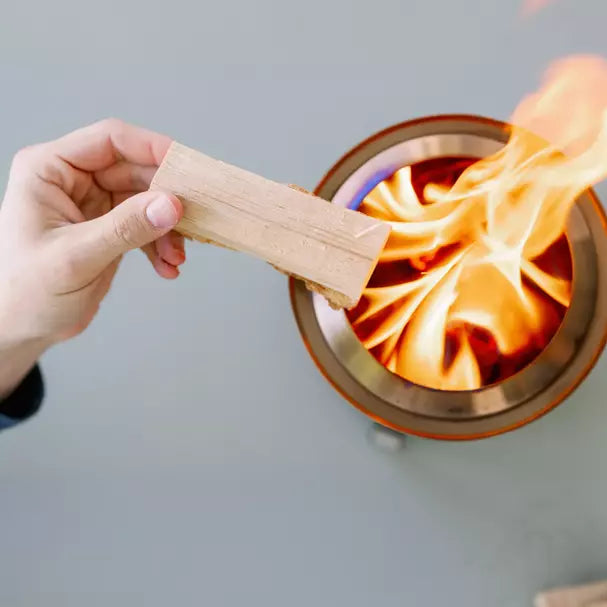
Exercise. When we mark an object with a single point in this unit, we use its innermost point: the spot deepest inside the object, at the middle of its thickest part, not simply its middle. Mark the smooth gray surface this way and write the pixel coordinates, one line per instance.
(188, 452)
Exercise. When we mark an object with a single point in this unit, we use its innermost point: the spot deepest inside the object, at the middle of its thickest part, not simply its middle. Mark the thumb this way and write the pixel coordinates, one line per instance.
(133, 223)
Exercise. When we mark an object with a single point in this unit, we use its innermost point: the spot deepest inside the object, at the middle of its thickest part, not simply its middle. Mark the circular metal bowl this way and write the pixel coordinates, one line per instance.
(401, 405)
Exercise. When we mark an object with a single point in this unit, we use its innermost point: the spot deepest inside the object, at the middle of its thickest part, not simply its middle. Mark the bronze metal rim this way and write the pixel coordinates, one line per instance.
(406, 407)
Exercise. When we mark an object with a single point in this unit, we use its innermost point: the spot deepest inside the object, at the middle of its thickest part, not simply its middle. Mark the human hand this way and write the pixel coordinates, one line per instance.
(72, 208)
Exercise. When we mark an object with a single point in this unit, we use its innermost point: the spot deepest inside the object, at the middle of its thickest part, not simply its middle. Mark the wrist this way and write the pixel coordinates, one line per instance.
(16, 361)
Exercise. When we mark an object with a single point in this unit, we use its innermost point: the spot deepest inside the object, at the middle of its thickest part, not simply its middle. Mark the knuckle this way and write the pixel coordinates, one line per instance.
(29, 160)
(125, 230)
(114, 129)
(24, 156)
(111, 125)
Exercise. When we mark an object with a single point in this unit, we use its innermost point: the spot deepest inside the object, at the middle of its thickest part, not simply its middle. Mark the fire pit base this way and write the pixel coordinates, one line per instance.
(385, 439)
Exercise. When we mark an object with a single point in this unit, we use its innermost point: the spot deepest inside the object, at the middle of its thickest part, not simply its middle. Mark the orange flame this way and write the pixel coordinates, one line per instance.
(468, 282)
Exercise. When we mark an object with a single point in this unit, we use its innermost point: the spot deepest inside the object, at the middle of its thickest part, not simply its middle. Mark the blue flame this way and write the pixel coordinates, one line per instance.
(370, 184)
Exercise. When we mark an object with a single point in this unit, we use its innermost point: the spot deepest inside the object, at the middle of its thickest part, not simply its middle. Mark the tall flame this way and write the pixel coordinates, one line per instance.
(472, 276)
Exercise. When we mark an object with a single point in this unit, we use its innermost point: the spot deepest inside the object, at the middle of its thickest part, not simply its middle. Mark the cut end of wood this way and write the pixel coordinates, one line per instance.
(336, 300)
(333, 250)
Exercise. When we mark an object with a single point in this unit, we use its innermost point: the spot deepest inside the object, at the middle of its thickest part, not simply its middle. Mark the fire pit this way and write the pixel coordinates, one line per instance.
(508, 349)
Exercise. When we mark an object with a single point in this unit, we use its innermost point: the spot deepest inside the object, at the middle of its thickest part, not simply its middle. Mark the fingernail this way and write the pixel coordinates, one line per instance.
(161, 212)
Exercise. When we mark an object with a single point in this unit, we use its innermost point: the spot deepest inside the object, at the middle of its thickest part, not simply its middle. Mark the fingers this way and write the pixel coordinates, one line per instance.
(125, 177)
(137, 221)
(171, 248)
(166, 254)
(100, 145)
(163, 268)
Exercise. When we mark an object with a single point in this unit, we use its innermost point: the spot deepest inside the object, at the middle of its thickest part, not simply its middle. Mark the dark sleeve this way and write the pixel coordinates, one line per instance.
(24, 401)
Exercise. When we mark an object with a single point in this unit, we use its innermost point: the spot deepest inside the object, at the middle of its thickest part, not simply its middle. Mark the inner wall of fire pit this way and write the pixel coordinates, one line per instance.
(505, 396)
(490, 330)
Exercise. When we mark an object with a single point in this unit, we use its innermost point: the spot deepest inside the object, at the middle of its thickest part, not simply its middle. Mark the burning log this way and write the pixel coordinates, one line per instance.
(332, 249)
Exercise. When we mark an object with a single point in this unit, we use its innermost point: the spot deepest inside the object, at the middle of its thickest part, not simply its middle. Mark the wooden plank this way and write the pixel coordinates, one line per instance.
(594, 595)
(334, 250)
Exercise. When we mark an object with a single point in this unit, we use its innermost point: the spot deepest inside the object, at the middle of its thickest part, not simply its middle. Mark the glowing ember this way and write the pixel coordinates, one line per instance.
(476, 276)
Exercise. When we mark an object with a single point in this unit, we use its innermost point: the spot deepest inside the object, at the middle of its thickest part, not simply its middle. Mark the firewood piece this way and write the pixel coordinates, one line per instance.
(332, 249)
(594, 595)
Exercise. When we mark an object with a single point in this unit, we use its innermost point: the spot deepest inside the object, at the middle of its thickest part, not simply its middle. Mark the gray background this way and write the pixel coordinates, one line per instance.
(189, 452)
